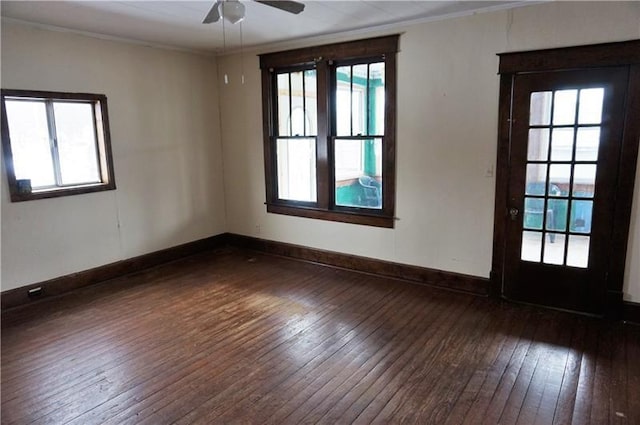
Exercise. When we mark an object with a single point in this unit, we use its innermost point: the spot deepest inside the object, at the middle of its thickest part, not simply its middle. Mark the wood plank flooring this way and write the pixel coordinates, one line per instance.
(239, 337)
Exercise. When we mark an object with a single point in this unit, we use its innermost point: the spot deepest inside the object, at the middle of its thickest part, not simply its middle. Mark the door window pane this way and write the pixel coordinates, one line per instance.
(554, 248)
(564, 107)
(559, 175)
(578, 251)
(557, 214)
(77, 145)
(296, 165)
(538, 147)
(587, 144)
(533, 213)
(358, 173)
(540, 108)
(531, 246)
(30, 144)
(536, 179)
(581, 213)
(590, 111)
(554, 190)
(561, 144)
(584, 180)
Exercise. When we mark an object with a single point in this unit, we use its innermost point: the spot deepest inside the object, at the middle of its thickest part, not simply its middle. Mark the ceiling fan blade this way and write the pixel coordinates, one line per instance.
(214, 14)
(287, 6)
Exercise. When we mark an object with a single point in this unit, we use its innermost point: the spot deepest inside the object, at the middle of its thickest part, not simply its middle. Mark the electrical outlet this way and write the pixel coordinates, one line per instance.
(258, 229)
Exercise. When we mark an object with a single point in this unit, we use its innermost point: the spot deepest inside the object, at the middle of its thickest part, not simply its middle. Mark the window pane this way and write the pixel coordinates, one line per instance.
(578, 251)
(538, 146)
(376, 98)
(531, 246)
(283, 105)
(359, 100)
(297, 105)
(554, 248)
(564, 107)
(590, 111)
(343, 101)
(30, 142)
(311, 102)
(77, 146)
(358, 173)
(296, 162)
(536, 179)
(581, 212)
(584, 180)
(561, 144)
(587, 144)
(540, 108)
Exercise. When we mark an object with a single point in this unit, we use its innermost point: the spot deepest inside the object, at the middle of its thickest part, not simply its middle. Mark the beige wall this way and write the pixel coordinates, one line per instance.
(446, 140)
(168, 155)
(163, 108)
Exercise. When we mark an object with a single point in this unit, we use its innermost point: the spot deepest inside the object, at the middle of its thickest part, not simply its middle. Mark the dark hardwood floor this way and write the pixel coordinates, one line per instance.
(237, 337)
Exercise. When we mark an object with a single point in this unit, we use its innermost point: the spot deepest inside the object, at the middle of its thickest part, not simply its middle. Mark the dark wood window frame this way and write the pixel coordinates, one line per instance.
(103, 148)
(619, 54)
(324, 59)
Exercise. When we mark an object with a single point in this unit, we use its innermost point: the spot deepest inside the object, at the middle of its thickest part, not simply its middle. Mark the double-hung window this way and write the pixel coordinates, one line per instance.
(55, 144)
(329, 131)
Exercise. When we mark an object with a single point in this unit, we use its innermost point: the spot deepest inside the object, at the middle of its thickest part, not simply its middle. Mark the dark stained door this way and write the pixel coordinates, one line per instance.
(566, 137)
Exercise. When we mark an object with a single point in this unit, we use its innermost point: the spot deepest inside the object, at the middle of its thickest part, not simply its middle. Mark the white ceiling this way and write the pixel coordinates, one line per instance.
(178, 23)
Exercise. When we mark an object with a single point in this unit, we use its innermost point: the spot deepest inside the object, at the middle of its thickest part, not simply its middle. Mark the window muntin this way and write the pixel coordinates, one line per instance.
(55, 144)
(342, 97)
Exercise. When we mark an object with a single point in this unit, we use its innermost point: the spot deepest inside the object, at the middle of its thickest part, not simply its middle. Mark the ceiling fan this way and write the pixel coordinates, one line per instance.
(233, 10)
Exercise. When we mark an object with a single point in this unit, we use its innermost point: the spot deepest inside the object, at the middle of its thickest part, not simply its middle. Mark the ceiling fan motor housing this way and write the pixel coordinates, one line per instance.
(233, 11)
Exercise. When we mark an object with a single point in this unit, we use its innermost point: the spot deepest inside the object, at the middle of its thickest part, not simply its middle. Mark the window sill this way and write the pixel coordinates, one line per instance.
(375, 220)
(60, 191)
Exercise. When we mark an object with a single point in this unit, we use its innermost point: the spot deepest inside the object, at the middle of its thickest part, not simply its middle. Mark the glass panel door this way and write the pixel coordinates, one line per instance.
(565, 139)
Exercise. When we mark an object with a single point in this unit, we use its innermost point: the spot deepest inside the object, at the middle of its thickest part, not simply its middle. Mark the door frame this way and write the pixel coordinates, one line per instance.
(620, 54)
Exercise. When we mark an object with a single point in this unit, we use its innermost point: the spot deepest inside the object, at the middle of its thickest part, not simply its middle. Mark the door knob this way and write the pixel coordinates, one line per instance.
(513, 212)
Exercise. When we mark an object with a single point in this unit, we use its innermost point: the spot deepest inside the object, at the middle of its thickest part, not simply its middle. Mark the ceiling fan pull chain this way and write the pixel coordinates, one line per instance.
(241, 54)
(224, 47)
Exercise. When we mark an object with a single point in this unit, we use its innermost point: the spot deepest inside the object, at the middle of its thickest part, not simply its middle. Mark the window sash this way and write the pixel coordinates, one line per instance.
(285, 110)
(54, 144)
(100, 141)
(285, 192)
